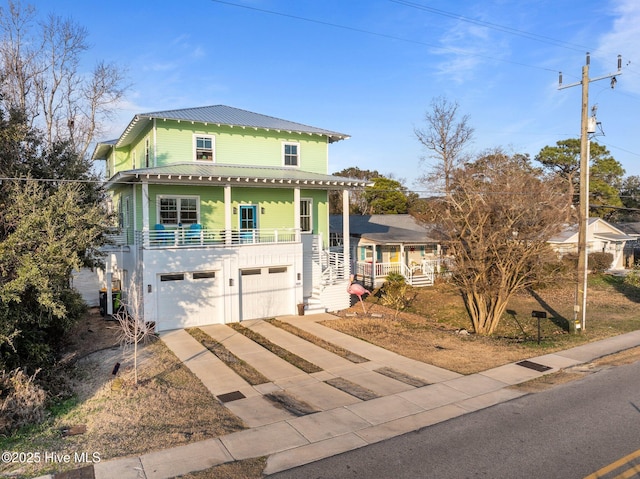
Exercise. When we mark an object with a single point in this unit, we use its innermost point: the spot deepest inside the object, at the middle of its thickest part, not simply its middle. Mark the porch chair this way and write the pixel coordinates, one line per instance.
(194, 234)
(161, 236)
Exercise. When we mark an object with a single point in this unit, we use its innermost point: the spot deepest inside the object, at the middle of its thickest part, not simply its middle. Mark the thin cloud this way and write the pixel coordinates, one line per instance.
(622, 39)
(467, 47)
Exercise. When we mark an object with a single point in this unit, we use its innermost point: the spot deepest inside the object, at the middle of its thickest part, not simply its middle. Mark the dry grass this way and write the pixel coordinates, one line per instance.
(242, 368)
(247, 469)
(169, 407)
(430, 332)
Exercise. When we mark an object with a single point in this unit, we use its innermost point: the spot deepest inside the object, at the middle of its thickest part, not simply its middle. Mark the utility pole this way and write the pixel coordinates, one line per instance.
(580, 306)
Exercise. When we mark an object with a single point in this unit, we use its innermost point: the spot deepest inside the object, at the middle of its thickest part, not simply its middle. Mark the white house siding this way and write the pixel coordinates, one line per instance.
(311, 269)
(335, 297)
(222, 302)
(266, 292)
(190, 299)
(88, 284)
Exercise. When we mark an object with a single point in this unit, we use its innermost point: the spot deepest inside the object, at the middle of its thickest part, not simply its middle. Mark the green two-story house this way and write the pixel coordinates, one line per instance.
(223, 216)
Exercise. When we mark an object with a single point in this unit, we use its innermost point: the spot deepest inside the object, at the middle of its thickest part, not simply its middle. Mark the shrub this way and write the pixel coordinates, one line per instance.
(21, 400)
(570, 261)
(395, 278)
(394, 293)
(633, 277)
(599, 262)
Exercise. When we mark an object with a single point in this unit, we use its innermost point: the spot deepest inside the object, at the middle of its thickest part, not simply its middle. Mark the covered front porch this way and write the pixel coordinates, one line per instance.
(418, 263)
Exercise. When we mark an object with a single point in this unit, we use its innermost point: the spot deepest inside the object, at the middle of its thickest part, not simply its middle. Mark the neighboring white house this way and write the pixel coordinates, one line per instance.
(601, 237)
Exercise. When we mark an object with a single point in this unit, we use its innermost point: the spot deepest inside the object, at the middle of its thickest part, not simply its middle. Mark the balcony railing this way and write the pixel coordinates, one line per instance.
(189, 238)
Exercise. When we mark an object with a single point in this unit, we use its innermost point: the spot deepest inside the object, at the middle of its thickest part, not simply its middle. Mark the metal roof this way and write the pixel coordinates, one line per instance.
(613, 237)
(385, 229)
(103, 149)
(216, 173)
(227, 116)
(632, 229)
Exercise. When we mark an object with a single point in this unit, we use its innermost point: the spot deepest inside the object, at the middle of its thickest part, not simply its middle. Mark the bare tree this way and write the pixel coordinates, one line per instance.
(41, 76)
(133, 328)
(445, 136)
(496, 222)
(18, 53)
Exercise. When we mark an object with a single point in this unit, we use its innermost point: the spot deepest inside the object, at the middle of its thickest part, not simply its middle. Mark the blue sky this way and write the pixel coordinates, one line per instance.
(370, 68)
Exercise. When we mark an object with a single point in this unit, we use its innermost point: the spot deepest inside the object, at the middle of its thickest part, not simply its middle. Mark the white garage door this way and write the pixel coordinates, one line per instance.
(266, 292)
(189, 299)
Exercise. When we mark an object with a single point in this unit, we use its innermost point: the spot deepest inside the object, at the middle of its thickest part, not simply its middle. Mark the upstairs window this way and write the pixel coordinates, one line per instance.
(147, 153)
(291, 154)
(177, 210)
(204, 148)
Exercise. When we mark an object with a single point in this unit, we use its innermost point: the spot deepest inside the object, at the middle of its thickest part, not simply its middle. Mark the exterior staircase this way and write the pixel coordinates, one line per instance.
(330, 280)
(418, 277)
(419, 280)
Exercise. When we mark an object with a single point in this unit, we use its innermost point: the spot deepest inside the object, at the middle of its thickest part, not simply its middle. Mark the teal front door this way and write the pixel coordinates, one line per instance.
(248, 214)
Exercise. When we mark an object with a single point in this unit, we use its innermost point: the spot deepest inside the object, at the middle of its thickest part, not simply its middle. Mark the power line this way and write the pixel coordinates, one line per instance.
(494, 26)
(382, 35)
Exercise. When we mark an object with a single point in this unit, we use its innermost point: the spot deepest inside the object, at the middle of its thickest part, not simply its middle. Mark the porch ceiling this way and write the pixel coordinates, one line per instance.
(223, 174)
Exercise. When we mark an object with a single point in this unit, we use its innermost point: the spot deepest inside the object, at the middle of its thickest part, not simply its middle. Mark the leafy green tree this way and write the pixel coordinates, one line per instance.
(357, 201)
(47, 234)
(386, 196)
(605, 173)
(630, 197)
(49, 225)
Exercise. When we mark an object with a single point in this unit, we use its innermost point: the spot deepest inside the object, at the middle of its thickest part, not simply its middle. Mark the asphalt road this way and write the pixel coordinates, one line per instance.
(566, 432)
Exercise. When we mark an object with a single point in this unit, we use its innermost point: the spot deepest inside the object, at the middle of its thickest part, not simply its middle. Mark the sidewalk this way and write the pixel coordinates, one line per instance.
(343, 422)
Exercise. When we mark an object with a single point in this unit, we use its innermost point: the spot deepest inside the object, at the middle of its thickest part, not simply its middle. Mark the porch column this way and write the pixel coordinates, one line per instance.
(346, 246)
(135, 217)
(374, 258)
(227, 214)
(296, 213)
(145, 213)
(108, 275)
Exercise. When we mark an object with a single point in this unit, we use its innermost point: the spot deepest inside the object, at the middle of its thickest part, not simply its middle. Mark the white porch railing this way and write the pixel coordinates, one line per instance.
(422, 273)
(188, 238)
(381, 269)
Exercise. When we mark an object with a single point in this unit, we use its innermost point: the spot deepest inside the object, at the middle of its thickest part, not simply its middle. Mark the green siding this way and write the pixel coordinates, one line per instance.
(320, 212)
(276, 202)
(211, 202)
(240, 146)
(172, 142)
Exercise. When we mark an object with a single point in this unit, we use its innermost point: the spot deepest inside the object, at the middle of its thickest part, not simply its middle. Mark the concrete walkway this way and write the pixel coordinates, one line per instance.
(344, 422)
